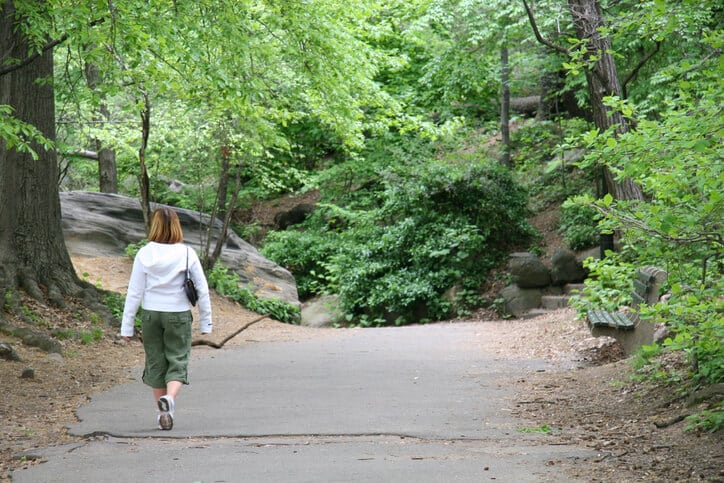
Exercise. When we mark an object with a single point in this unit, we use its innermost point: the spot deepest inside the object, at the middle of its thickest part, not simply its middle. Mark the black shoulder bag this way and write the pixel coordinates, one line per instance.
(189, 286)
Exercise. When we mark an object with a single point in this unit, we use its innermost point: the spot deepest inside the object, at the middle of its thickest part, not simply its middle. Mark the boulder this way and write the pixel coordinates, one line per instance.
(565, 268)
(518, 300)
(103, 224)
(528, 271)
(322, 312)
(295, 216)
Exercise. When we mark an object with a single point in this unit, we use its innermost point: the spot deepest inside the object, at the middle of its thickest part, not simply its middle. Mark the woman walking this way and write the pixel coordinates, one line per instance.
(157, 281)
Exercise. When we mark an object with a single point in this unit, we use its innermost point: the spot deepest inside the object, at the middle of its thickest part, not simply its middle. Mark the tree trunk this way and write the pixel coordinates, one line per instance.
(221, 208)
(33, 255)
(602, 78)
(107, 170)
(143, 180)
(505, 106)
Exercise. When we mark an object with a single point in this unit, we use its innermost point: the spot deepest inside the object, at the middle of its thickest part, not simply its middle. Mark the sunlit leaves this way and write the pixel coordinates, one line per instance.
(20, 135)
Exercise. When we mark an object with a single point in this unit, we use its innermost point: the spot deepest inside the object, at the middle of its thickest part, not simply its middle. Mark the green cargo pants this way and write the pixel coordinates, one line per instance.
(167, 343)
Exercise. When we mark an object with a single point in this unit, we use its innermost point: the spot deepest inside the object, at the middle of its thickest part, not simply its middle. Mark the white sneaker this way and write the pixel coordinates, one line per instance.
(166, 406)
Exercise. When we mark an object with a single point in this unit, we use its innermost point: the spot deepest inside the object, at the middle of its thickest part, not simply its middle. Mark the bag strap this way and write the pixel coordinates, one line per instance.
(187, 262)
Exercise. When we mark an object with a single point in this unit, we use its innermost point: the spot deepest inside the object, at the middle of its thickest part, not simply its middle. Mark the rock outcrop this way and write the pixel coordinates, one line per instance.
(102, 224)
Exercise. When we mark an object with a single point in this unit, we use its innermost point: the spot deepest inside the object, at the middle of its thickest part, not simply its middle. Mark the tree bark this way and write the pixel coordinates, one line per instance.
(33, 255)
(602, 78)
(143, 180)
(505, 106)
(107, 169)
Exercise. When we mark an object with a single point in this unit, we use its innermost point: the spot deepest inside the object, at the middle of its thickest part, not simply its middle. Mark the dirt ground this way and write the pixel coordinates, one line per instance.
(589, 400)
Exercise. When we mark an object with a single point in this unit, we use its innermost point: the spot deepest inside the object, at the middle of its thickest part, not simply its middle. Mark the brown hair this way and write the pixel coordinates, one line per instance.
(165, 227)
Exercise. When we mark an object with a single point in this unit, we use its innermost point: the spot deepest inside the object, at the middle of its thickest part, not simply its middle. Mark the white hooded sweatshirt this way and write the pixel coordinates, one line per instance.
(157, 282)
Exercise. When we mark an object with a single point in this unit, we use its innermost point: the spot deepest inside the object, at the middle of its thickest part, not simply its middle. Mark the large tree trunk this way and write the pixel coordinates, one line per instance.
(33, 255)
(602, 78)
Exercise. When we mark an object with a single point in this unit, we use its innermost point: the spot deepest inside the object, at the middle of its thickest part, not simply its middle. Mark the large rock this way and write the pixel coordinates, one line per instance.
(527, 271)
(565, 268)
(102, 225)
(518, 300)
(322, 312)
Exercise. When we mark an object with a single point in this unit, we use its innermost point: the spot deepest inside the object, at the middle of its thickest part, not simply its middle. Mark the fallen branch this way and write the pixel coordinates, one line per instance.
(219, 345)
(670, 422)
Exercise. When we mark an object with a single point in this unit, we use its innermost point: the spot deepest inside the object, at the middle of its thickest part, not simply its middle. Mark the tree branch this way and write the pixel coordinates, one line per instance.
(12, 68)
(537, 34)
(84, 153)
(636, 69)
(219, 345)
(631, 220)
(27, 60)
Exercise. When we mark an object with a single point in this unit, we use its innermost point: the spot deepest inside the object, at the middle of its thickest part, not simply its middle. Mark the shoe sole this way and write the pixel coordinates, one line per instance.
(166, 421)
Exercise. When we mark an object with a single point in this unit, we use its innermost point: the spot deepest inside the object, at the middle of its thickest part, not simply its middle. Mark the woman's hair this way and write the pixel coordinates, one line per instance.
(165, 227)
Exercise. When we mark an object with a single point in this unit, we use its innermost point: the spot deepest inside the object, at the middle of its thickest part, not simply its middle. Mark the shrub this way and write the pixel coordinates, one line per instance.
(227, 284)
(608, 286)
(441, 225)
(579, 225)
(304, 254)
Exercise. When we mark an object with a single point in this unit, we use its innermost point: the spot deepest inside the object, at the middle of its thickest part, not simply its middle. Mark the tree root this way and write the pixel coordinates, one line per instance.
(219, 345)
(32, 338)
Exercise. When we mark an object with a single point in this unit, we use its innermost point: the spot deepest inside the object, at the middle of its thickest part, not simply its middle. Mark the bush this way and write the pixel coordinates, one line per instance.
(608, 286)
(227, 284)
(440, 226)
(303, 253)
(579, 225)
(436, 227)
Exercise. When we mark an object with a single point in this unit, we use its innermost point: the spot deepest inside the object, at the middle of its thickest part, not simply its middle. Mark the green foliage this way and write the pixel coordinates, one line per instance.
(63, 334)
(19, 135)
(115, 303)
(695, 316)
(540, 150)
(543, 429)
(9, 300)
(644, 355)
(227, 284)
(676, 159)
(94, 335)
(410, 243)
(31, 315)
(579, 225)
(132, 248)
(440, 225)
(711, 420)
(609, 284)
(303, 253)
(534, 143)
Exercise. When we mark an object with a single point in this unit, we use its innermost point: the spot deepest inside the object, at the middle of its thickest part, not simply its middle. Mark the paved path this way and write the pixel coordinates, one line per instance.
(417, 404)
